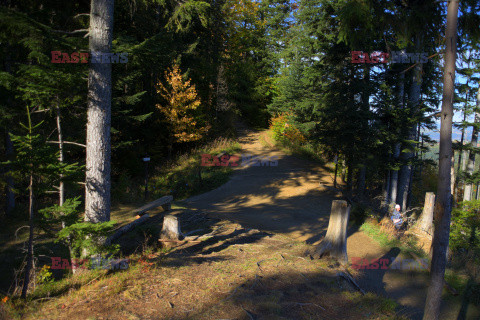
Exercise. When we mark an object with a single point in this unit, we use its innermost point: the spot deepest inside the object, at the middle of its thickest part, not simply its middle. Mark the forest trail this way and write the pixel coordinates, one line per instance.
(294, 199)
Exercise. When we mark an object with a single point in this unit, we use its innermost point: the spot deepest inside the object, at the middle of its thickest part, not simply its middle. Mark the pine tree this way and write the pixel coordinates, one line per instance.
(36, 161)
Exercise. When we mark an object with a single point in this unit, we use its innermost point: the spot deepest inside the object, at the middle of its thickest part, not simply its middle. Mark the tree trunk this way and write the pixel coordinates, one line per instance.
(29, 266)
(61, 187)
(97, 190)
(361, 181)
(452, 174)
(349, 175)
(335, 241)
(413, 102)
(467, 193)
(443, 204)
(397, 147)
(10, 183)
(425, 220)
(386, 188)
(394, 176)
(461, 152)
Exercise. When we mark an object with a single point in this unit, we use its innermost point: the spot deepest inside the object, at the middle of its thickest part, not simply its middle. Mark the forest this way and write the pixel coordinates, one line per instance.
(240, 159)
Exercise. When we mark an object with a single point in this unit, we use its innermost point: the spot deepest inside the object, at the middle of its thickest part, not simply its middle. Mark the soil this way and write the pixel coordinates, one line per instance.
(254, 266)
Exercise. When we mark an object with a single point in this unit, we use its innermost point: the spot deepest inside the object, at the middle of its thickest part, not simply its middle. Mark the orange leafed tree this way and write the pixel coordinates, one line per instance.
(180, 101)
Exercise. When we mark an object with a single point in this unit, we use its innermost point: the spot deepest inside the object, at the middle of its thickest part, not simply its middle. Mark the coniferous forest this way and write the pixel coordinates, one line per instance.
(240, 159)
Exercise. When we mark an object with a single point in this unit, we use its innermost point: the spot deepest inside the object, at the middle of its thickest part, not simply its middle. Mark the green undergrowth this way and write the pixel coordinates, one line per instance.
(305, 150)
(187, 177)
(406, 245)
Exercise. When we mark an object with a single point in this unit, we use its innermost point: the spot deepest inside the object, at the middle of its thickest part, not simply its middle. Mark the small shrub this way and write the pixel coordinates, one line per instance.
(44, 275)
(285, 132)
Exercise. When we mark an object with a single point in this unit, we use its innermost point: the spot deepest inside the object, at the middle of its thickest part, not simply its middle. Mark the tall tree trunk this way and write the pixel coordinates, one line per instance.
(407, 157)
(413, 171)
(462, 139)
(386, 187)
(443, 204)
(349, 174)
(97, 190)
(394, 175)
(461, 161)
(397, 148)
(467, 193)
(10, 183)
(29, 266)
(61, 187)
(361, 180)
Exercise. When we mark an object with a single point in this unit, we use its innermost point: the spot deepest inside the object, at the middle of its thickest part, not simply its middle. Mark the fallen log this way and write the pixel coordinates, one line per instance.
(165, 202)
(139, 220)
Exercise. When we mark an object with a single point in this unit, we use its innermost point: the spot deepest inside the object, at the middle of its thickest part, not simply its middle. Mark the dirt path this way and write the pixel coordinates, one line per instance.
(291, 199)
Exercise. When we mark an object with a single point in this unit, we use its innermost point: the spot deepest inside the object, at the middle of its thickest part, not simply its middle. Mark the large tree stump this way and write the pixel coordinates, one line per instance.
(425, 221)
(335, 242)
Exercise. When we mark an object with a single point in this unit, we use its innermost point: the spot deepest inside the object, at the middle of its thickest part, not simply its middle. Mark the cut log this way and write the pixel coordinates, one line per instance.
(335, 242)
(126, 228)
(165, 202)
(425, 221)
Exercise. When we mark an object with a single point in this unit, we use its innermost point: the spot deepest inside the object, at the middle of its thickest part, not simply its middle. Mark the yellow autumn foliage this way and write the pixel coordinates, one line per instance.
(181, 99)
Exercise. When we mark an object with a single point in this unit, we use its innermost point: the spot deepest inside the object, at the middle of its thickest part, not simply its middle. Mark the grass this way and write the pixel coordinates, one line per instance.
(306, 150)
(186, 177)
(408, 245)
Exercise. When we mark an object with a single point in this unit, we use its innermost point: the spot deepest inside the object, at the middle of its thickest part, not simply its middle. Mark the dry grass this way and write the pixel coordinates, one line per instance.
(237, 274)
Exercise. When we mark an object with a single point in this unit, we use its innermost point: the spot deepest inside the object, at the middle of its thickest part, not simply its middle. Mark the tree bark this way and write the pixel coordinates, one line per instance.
(29, 266)
(443, 204)
(386, 188)
(413, 102)
(335, 241)
(349, 175)
(61, 187)
(394, 175)
(397, 148)
(361, 180)
(10, 183)
(97, 189)
(425, 220)
(467, 192)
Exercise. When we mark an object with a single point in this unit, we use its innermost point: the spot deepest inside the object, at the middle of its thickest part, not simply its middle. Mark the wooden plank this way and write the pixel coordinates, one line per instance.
(163, 201)
(126, 228)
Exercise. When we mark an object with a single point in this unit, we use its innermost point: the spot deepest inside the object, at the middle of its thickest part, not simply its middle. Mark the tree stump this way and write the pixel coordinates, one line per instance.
(170, 233)
(335, 242)
(425, 221)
